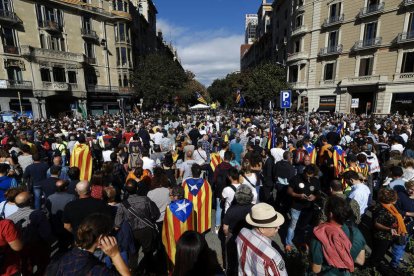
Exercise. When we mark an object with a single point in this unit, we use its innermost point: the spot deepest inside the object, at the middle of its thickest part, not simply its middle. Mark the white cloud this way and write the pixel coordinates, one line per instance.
(209, 54)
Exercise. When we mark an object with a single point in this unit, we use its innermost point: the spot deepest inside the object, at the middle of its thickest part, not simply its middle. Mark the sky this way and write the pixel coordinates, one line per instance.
(206, 33)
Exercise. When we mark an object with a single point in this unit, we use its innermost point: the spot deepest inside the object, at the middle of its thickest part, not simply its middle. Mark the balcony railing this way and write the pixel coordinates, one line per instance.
(299, 30)
(96, 10)
(298, 84)
(126, 90)
(35, 53)
(9, 17)
(16, 84)
(327, 83)
(56, 86)
(87, 33)
(404, 77)
(297, 56)
(405, 37)
(331, 50)
(102, 88)
(91, 60)
(10, 49)
(364, 80)
(408, 2)
(122, 39)
(367, 43)
(334, 20)
(371, 10)
(300, 8)
(50, 25)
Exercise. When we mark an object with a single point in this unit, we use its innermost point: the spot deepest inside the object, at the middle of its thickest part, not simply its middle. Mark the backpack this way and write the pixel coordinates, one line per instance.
(299, 156)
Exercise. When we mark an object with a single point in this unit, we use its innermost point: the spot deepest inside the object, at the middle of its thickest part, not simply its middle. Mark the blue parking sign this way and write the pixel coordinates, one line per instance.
(285, 99)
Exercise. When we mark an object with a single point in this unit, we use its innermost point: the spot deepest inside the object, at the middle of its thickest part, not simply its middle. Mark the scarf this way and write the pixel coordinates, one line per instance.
(336, 246)
(401, 225)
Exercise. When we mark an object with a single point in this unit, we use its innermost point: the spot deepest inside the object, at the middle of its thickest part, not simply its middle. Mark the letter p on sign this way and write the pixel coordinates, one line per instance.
(285, 99)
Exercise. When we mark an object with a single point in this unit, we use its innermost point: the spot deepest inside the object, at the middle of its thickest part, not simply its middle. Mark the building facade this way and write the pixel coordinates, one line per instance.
(348, 55)
(60, 54)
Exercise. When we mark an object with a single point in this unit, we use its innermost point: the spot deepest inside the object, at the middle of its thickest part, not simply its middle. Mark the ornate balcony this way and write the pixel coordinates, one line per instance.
(367, 44)
(364, 80)
(407, 3)
(10, 49)
(326, 83)
(298, 85)
(39, 53)
(334, 20)
(331, 50)
(9, 17)
(16, 84)
(299, 30)
(102, 88)
(58, 86)
(126, 90)
(404, 77)
(371, 10)
(297, 56)
(89, 34)
(405, 37)
(51, 26)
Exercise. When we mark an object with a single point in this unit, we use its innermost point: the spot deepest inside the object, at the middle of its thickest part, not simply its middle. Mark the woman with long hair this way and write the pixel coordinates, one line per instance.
(97, 185)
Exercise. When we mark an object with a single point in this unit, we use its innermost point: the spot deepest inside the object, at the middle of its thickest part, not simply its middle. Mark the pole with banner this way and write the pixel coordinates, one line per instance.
(285, 102)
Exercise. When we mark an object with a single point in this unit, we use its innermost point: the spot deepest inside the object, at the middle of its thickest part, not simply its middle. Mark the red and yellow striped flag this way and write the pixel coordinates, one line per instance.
(179, 217)
(198, 191)
(81, 157)
(215, 160)
(339, 160)
(311, 152)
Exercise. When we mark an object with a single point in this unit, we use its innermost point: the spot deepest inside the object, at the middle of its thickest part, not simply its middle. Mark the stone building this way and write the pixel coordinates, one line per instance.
(61, 54)
(340, 52)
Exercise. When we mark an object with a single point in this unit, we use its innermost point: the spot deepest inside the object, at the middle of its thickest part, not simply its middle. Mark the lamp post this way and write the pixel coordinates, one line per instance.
(121, 106)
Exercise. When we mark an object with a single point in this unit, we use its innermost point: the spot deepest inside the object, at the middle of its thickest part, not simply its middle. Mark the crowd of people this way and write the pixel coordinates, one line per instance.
(137, 196)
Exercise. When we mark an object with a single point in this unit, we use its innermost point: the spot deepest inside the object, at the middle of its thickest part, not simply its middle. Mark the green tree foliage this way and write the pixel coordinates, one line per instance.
(157, 79)
(187, 94)
(258, 86)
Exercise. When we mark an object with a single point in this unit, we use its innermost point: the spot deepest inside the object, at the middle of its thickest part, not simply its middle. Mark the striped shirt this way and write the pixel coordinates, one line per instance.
(257, 255)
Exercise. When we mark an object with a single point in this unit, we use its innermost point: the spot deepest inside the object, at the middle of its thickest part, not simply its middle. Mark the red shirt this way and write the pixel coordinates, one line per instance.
(127, 136)
(8, 233)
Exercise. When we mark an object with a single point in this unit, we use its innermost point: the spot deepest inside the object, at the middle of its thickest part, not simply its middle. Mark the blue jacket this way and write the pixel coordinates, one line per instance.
(6, 183)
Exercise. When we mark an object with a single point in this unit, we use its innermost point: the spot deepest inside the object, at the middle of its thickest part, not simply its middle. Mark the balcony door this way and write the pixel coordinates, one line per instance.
(14, 74)
(370, 33)
(410, 27)
(332, 40)
(5, 6)
(86, 23)
(335, 11)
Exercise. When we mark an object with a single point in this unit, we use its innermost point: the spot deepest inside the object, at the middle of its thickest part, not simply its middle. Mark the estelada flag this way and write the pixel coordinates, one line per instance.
(179, 217)
(339, 160)
(198, 191)
(310, 149)
(81, 157)
(215, 160)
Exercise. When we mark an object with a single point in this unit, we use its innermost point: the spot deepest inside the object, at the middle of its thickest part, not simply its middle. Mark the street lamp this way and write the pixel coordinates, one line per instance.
(121, 106)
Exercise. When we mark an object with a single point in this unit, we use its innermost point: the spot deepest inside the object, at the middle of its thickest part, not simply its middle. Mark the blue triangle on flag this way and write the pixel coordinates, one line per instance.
(194, 185)
(181, 209)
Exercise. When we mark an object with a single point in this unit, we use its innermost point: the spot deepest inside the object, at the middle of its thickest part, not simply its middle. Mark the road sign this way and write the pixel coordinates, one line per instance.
(355, 103)
(285, 99)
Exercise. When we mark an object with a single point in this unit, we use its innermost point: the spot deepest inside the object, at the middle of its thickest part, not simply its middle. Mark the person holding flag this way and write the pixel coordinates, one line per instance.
(81, 157)
(198, 191)
(310, 149)
(179, 218)
(339, 160)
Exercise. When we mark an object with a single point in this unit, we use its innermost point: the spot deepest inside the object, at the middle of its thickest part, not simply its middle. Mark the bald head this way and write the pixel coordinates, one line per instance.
(23, 199)
(83, 188)
(189, 154)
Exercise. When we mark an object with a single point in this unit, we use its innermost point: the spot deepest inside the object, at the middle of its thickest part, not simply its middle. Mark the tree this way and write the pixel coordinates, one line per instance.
(187, 94)
(157, 79)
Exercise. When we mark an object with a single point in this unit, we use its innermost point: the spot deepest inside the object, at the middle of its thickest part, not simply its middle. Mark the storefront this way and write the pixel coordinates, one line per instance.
(327, 104)
(403, 103)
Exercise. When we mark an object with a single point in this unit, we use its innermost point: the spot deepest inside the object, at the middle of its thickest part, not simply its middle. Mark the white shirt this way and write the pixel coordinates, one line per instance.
(157, 138)
(106, 155)
(252, 178)
(200, 156)
(277, 154)
(186, 168)
(147, 163)
(228, 194)
(9, 209)
(360, 192)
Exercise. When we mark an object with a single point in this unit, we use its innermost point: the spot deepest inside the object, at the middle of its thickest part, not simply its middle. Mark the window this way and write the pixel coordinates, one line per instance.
(410, 28)
(59, 74)
(122, 32)
(86, 23)
(57, 43)
(43, 43)
(408, 63)
(72, 76)
(365, 66)
(89, 50)
(123, 56)
(120, 80)
(328, 73)
(9, 42)
(372, 5)
(45, 74)
(293, 73)
(91, 77)
(120, 5)
(118, 61)
(299, 21)
(333, 40)
(335, 11)
(125, 83)
(296, 46)
(14, 73)
(5, 5)
(370, 33)
(46, 14)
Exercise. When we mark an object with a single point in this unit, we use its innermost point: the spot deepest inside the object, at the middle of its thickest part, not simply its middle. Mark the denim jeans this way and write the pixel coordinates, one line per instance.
(218, 212)
(292, 226)
(397, 253)
(37, 192)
